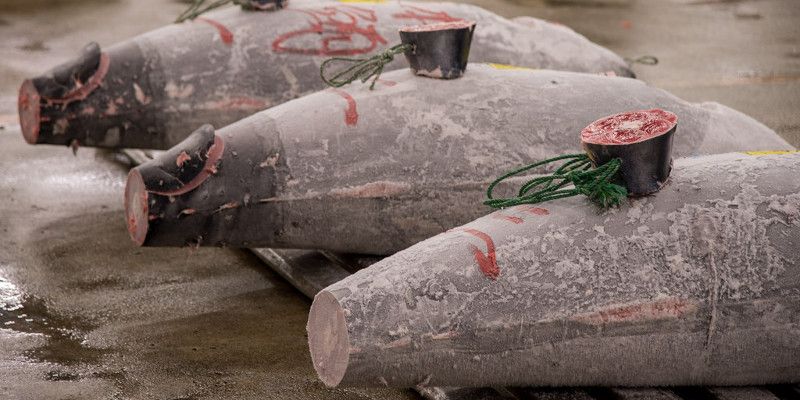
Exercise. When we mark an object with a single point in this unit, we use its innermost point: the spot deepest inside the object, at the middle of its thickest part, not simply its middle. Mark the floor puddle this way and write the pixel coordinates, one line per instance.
(65, 336)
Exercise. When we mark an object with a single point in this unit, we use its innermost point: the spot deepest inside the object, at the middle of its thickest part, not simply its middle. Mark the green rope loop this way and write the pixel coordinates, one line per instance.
(197, 9)
(644, 60)
(577, 171)
(362, 68)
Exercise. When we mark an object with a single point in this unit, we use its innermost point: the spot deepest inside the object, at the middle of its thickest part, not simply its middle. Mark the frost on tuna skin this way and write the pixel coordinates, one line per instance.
(698, 239)
(373, 189)
(575, 268)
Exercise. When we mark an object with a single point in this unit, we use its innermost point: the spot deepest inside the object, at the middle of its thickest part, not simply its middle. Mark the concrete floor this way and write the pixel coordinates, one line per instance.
(85, 314)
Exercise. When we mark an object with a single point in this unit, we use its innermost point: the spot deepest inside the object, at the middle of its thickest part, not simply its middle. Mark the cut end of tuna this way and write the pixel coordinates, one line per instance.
(268, 5)
(444, 26)
(629, 127)
(136, 208)
(328, 339)
(29, 111)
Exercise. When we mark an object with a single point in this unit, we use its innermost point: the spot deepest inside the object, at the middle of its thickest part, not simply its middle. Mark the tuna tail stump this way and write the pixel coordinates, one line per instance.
(82, 101)
(152, 187)
(642, 140)
(438, 50)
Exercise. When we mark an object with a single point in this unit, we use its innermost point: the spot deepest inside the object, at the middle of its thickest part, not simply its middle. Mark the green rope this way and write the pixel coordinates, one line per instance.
(197, 9)
(362, 68)
(594, 183)
(644, 60)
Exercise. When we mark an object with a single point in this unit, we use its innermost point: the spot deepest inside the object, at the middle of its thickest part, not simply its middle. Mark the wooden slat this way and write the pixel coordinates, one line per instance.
(552, 394)
(644, 394)
(307, 270)
(453, 393)
(742, 393)
(785, 392)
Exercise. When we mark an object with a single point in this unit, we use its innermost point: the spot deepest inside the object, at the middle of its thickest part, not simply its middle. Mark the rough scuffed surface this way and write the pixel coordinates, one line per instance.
(374, 171)
(699, 284)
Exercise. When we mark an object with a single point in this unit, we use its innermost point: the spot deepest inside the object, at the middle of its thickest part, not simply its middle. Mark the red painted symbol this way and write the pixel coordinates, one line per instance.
(535, 210)
(224, 33)
(509, 218)
(84, 89)
(335, 31)
(213, 156)
(659, 309)
(425, 16)
(351, 113)
(240, 103)
(486, 262)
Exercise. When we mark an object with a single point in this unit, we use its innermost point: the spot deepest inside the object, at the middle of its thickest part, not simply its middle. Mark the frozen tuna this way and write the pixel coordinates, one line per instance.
(696, 285)
(151, 91)
(374, 171)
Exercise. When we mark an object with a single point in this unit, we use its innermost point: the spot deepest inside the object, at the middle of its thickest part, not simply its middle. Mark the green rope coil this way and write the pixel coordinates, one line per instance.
(594, 183)
(197, 8)
(362, 68)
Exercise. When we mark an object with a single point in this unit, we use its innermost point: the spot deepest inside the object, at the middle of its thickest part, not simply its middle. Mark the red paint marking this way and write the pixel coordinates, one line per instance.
(351, 113)
(241, 103)
(509, 218)
(224, 33)
(425, 16)
(629, 127)
(84, 89)
(486, 262)
(387, 82)
(535, 210)
(182, 158)
(227, 206)
(214, 154)
(334, 26)
(660, 309)
(111, 108)
(626, 24)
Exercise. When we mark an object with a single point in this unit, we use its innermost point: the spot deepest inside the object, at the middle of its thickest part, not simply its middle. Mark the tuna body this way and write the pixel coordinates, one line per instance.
(153, 90)
(696, 285)
(374, 171)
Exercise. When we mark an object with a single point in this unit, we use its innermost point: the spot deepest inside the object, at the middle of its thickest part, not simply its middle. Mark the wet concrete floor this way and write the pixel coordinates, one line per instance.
(85, 314)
